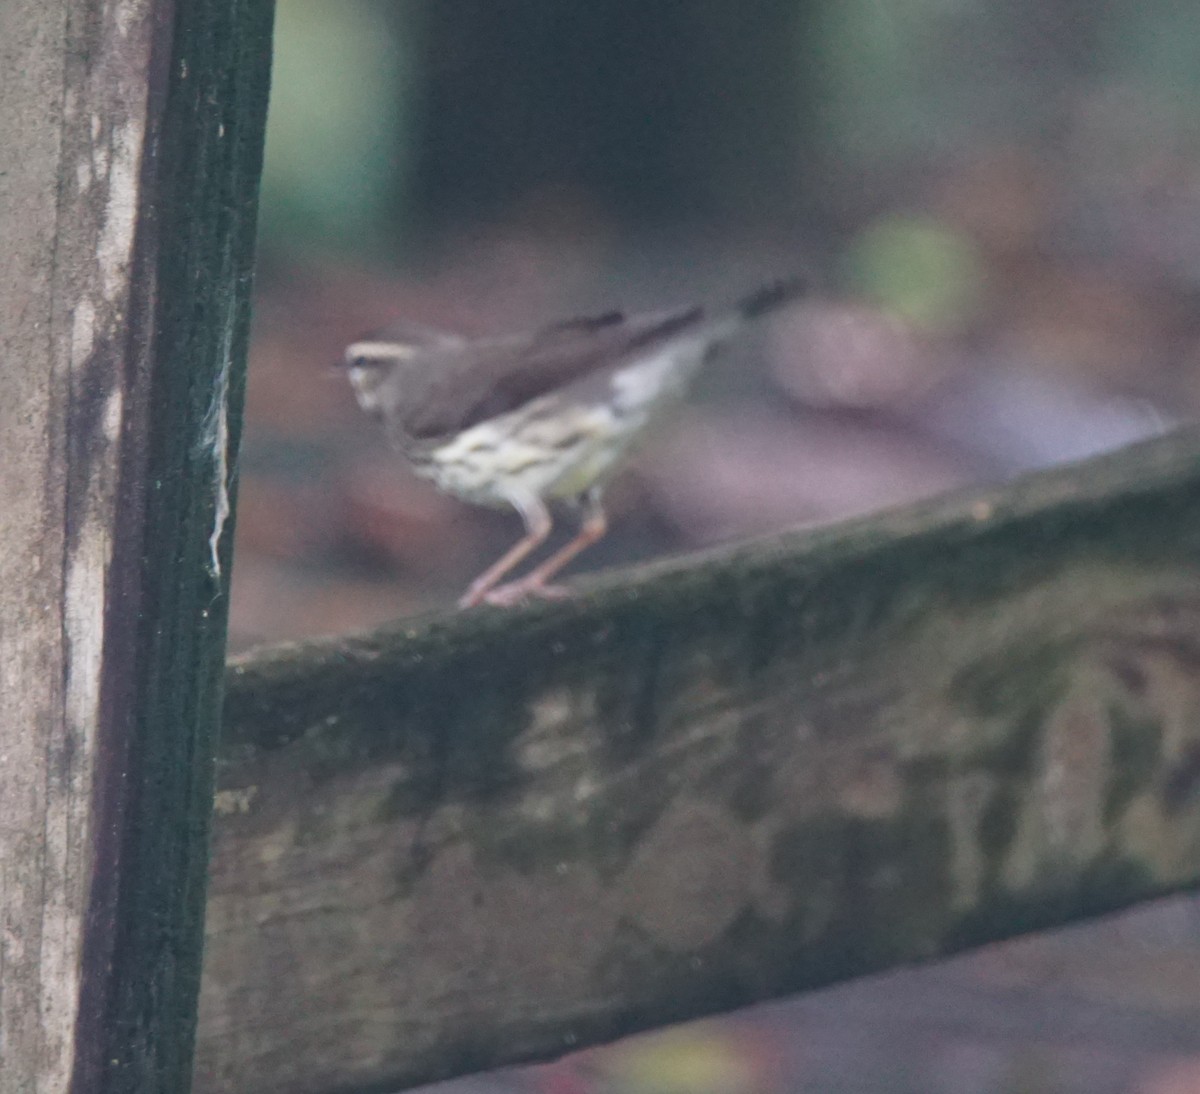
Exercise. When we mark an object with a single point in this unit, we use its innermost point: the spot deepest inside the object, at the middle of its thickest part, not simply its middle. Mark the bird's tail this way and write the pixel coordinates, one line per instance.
(774, 294)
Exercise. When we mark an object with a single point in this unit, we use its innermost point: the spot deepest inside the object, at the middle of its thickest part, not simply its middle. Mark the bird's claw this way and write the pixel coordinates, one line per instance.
(515, 592)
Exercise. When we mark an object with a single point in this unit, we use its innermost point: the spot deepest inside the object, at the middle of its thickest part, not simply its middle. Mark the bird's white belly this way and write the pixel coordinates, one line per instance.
(558, 449)
(554, 457)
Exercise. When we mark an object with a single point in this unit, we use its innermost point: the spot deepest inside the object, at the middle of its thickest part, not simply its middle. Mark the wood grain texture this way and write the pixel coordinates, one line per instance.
(492, 837)
(132, 134)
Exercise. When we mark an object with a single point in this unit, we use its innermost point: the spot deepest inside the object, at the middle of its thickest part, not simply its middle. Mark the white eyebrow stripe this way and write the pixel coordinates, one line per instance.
(379, 349)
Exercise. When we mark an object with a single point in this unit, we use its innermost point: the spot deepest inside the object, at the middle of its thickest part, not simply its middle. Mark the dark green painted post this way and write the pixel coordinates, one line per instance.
(133, 136)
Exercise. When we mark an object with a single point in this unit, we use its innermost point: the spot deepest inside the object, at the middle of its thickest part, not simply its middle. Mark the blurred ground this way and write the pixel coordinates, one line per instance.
(1104, 1009)
(1004, 234)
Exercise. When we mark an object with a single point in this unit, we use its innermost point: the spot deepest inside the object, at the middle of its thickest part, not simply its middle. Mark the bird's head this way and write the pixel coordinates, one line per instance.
(375, 359)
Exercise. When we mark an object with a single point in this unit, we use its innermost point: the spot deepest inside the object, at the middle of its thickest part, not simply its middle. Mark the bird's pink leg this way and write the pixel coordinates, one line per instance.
(535, 583)
(537, 527)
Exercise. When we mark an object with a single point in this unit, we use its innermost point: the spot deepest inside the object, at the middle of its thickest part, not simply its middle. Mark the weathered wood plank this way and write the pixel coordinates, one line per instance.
(131, 133)
(491, 837)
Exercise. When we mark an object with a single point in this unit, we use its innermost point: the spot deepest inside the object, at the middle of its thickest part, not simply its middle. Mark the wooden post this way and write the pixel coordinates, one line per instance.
(491, 837)
(132, 134)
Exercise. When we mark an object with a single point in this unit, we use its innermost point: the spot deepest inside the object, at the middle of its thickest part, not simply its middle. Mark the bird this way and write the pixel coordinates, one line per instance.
(528, 421)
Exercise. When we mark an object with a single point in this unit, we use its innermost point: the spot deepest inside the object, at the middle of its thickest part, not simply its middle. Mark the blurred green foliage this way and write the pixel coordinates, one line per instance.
(395, 121)
(342, 127)
(918, 269)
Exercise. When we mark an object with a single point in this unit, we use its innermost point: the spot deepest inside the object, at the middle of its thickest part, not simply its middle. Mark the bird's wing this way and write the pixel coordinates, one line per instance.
(487, 379)
(472, 382)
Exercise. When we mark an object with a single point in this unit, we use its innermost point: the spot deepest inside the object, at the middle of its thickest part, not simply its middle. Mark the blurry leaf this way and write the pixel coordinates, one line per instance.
(696, 1059)
(1155, 43)
(341, 108)
(918, 269)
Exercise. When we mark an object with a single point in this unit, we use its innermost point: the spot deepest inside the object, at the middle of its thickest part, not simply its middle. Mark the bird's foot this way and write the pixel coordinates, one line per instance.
(472, 597)
(515, 592)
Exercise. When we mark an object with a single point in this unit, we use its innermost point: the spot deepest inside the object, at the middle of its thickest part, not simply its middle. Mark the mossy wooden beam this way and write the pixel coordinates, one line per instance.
(130, 143)
(492, 836)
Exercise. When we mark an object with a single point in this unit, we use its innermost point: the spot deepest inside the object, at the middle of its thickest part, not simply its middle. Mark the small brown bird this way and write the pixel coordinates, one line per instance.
(526, 420)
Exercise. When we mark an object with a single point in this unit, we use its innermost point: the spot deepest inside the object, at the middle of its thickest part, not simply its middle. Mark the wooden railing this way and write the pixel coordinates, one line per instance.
(490, 837)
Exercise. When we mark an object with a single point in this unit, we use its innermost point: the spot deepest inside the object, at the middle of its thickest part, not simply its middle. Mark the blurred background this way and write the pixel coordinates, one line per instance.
(999, 205)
